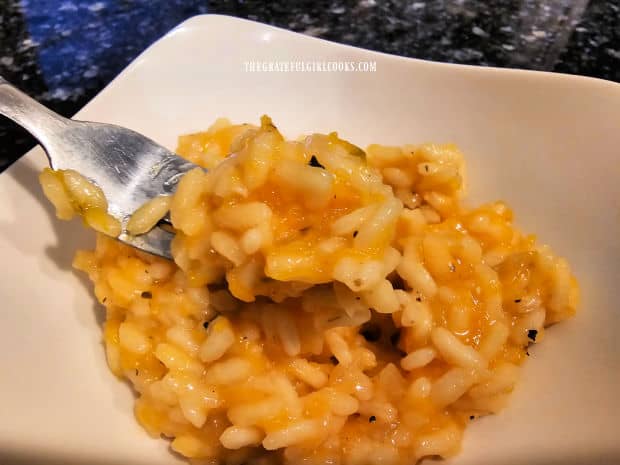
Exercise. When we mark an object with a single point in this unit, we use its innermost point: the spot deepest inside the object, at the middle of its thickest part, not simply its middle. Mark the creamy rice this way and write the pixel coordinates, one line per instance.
(326, 304)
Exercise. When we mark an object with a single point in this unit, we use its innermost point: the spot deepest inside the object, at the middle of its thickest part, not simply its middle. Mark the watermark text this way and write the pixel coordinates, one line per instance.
(309, 66)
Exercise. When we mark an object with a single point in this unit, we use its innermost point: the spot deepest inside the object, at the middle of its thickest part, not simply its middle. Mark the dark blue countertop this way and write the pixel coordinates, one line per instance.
(63, 52)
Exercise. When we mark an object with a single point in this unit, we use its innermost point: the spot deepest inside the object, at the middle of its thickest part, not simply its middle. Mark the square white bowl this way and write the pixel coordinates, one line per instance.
(545, 143)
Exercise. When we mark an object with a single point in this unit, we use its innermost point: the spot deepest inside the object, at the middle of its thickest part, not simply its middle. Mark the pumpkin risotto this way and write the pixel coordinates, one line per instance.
(325, 304)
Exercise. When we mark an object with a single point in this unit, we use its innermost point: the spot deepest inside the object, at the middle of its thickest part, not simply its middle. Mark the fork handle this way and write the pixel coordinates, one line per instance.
(40, 121)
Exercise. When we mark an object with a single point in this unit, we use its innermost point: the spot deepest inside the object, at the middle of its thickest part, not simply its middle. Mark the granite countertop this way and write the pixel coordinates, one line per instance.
(63, 52)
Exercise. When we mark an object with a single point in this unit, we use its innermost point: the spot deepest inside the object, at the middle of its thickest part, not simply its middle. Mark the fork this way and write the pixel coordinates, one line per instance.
(129, 167)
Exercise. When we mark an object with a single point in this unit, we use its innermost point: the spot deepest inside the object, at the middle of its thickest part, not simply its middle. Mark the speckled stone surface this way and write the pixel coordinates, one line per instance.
(65, 51)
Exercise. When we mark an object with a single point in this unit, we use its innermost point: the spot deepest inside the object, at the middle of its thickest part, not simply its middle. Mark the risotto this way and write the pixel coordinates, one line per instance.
(326, 305)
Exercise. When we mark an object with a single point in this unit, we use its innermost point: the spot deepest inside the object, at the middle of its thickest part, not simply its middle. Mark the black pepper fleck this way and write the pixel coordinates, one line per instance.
(426, 168)
(395, 338)
(137, 372)
(315, 163)
(372, 419)
(531, 334)
(517, 301)
(355, 233)
(397, 282)
(104, 300)
(418, 299)
(471, 417)
(371, 332)
(205, 325)
(146, 295)
(334, 360)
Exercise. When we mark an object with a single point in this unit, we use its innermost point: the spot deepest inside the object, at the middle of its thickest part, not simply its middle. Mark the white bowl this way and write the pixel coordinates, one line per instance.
(545, 143)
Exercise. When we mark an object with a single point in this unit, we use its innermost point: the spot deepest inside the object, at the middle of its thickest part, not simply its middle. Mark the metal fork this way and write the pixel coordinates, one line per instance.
(128, 167)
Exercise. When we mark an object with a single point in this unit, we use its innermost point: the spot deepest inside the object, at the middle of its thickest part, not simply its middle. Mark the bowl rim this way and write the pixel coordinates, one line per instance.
(204, 19)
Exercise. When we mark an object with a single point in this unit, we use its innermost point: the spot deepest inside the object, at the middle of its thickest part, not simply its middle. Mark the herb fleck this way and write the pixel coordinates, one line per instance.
(531, 334)
(315, 163)
(146, 295)
(372, 419)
